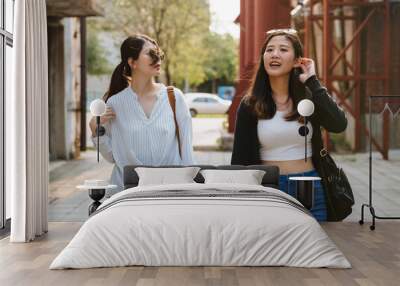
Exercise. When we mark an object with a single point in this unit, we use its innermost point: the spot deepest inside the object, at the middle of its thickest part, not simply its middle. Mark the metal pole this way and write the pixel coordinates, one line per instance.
(357, 94)
(98, 135)
(305, 138)
(370, 152)
(83, 84)
(386, 54)
(326, 57)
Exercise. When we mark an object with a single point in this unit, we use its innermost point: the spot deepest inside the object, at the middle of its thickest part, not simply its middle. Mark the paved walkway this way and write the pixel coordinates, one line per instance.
(67, 203)
(70, 204)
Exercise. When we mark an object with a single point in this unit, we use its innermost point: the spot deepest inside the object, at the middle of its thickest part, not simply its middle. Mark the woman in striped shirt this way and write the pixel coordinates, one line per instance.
(139, 121)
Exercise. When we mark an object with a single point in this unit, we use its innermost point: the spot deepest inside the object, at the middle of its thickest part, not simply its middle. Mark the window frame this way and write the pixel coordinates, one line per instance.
(200, 99)
(212, 100)
(6, 39)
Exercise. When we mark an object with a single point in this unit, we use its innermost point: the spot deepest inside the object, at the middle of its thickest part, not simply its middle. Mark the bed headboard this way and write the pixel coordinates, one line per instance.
(270, 179)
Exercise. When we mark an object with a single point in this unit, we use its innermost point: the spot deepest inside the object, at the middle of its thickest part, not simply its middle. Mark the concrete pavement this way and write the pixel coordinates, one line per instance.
(70, 204)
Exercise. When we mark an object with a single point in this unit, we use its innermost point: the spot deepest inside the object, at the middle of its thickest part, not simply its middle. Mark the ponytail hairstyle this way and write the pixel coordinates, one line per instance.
(260, 98)
(130, 48)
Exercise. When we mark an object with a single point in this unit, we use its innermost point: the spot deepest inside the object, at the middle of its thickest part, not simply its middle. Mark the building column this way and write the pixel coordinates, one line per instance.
(256, 17)
(57, 110)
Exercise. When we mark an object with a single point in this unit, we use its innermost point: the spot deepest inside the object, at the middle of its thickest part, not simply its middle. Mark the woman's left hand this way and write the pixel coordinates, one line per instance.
(308, 67)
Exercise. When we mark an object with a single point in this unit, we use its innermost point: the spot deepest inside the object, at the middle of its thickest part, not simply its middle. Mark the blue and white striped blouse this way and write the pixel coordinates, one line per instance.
(132, 138)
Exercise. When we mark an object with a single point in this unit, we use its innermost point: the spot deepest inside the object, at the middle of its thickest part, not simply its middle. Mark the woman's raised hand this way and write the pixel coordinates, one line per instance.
(308, 68)
(107, 116)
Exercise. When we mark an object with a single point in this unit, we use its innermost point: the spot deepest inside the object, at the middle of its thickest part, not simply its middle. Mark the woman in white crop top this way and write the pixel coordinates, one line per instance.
(267, 124)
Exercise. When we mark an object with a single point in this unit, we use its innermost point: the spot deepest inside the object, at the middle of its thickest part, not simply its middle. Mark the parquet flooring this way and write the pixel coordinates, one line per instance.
(374, 255)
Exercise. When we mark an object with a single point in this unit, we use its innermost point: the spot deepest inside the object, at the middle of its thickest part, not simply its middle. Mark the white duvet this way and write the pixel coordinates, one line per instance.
(185, 231)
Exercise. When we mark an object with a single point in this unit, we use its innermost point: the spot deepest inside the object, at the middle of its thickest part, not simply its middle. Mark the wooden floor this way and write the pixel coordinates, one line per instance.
(374, 255)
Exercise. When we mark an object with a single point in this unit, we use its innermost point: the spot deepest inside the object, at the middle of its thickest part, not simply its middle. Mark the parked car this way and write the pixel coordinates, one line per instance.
(207, 103)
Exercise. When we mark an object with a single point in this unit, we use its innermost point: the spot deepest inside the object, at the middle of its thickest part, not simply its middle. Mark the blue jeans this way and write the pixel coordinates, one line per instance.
(319, 209)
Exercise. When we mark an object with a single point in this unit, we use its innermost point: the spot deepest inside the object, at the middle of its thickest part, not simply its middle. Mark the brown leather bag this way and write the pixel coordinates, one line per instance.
(172, 103)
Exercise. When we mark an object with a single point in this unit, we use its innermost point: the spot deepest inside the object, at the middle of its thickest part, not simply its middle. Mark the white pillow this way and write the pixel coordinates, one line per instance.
(165, 176)
(249, 177)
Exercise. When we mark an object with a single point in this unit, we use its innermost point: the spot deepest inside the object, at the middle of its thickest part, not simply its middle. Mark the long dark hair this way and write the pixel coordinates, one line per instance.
(130, 48)
(260, 96)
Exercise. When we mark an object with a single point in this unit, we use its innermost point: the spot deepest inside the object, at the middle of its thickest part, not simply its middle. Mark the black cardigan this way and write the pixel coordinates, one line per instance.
(327, 114)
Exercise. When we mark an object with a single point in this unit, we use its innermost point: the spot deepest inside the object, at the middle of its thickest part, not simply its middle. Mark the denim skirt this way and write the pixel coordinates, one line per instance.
(319, 210)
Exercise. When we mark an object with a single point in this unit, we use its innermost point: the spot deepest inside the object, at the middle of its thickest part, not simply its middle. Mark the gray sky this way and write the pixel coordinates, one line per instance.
(224, 12)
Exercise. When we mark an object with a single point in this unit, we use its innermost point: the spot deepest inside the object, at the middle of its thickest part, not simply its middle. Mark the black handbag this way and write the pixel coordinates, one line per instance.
(339, 195)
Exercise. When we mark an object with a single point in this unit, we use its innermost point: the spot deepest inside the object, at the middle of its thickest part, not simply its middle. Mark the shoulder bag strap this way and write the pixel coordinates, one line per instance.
(172, 103)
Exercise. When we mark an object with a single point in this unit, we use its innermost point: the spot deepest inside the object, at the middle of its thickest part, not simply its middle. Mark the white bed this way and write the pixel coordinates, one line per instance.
(248, 229)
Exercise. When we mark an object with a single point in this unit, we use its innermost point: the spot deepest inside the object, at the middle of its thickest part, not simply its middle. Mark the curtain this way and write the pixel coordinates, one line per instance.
(28, 123)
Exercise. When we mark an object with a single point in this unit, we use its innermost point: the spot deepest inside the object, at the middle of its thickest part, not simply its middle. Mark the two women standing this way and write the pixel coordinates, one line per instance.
(140, 126)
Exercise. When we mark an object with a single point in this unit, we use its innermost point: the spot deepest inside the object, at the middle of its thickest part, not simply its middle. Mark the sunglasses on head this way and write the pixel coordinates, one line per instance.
(156, 55)
(283, 31)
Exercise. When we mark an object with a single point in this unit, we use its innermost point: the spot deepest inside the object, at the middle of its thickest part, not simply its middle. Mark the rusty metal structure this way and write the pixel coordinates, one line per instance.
(350, 41)
(346, 68)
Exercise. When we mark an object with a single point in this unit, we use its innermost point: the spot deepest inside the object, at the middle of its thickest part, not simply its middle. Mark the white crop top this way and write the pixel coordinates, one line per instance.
(280, 139)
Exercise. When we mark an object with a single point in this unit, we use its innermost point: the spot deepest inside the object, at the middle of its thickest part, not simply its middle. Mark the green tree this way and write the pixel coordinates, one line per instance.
(189, 68)
(221, 64)
(98, 63)
(179, 27)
